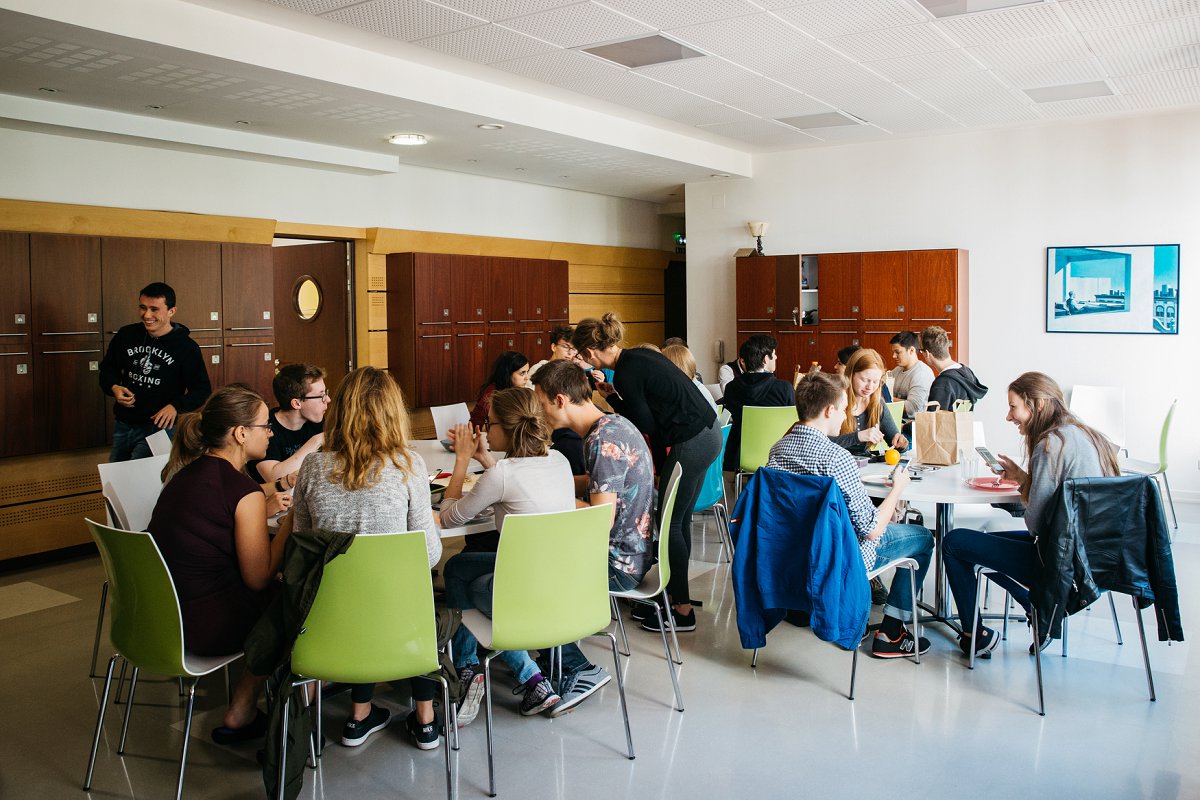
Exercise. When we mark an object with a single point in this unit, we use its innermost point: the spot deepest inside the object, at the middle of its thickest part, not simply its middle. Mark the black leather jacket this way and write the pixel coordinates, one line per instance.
(1107, 534)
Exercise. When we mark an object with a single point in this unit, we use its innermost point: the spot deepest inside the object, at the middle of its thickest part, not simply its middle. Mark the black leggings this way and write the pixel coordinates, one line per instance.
(694, 456)
(421, 688)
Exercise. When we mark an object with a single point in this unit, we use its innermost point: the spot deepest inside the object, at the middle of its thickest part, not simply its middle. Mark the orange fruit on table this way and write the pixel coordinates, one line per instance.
(892, 457)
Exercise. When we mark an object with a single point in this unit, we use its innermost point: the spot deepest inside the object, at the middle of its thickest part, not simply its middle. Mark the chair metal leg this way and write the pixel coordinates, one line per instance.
(487, 718)
(121, 682)
(621, 691)
(854, 670)
(1145, 650)
(754, 659)
(128, 710)
(912, 578)
(452, 708)
(1037, 661)
(281, 778)
(620, 626)
(1007, 607)
(722, 515)
(666, 609)
(182, 692)
(1064, 636)
(1170, 501)
(99, 629)
(187, 734)
(312, 743)
(228, 687)
(670, 659)
(981, 579)
(87, 779)
(319, 738)
(1112, 606)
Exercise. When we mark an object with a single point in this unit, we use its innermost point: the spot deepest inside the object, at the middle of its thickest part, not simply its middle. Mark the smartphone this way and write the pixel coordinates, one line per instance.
(992, 462)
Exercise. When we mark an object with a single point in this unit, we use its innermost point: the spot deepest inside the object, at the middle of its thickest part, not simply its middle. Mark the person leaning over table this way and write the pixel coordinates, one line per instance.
(1059, 446)
(807, 449)
(508, 370)
(210, 523)
(620, 472)
(867, 420)
(366, 479)
(531, 479)
(654, 395)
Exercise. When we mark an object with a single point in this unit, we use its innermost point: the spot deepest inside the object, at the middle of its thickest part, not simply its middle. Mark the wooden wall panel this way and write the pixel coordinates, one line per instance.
(638, 332)
(629, 307)
(25, 215)
(600, 279)
(48, 525)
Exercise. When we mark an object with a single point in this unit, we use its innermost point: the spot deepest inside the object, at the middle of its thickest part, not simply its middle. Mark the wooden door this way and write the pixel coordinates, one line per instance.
(828, 344)
(18, 436)
(64, 281)
(193, 270)
(247, 289)
(788, 308)
(471, 364)
(884, 288)
(499, 342)
(14, 287)
(880, 341)
(505, 291)
(430, 281)
(251, 361)
(126, 266)
(435, 383)
(534, 346)
(796, 349)
(70, 406)
(840, 290)
(755, 292)
(319, 335)
(558, 293)
(932, 281)
(532, 274)
(471, 285)
(212, 352)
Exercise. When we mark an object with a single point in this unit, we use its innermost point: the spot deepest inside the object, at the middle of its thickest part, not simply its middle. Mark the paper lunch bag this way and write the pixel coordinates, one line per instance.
(939, 435)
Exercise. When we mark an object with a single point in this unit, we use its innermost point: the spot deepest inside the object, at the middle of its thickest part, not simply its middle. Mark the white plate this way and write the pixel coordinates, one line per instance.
(877, 480)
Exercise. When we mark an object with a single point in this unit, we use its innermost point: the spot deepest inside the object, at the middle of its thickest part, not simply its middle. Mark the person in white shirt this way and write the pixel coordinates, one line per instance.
(912, 377)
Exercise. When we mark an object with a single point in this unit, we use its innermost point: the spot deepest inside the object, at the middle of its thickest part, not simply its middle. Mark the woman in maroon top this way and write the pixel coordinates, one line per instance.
(210, 524)
(510, 369)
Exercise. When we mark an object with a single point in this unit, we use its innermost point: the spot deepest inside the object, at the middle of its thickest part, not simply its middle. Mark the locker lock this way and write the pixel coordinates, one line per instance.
(93, 316)
(216, 359)
(213, 316)
(19, 319)
(266, 315)
(445, 345)
(22, 369)
(855, 310)
(93, 366)
(266, 356)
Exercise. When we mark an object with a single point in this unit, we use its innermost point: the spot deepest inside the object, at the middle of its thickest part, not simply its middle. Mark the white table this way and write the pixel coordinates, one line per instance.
(437, 459)
(945, 487)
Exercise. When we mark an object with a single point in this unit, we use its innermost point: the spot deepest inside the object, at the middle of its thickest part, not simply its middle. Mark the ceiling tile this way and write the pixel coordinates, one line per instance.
(1043, 50)
(987, 110)
(829, 18)
(312, 6)
(1021, 22)
(851, 133)
(403, 19)
(273, 96)
(613, 83)
(762, 133)
(755, 33)
(44, 52)
(1088, 15)
(560, 67)
(664, 14)
(801, 56)
(842, 87)
(908, 116)
(892, 43)
(497, 10)
(698, 74)
(771, 100)
(577, 25)
(698, 112)
(1054, 74)
(361, 114)
(188, 79)
(486, 44)
(1150, 36)
(1153, 60)
(1146, 101)
(1080, 108)
(926, 65)
(1157, 81)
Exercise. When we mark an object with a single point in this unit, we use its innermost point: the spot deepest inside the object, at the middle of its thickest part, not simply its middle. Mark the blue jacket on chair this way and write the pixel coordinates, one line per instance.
(795, 548)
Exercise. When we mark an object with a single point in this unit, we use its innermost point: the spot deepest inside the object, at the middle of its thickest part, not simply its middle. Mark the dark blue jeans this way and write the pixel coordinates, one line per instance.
(1011, 553)
(904, 541)
(573, 658)
(129, 441)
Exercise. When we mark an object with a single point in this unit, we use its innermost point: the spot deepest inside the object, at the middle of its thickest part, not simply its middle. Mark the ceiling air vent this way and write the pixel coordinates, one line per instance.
(643, 52)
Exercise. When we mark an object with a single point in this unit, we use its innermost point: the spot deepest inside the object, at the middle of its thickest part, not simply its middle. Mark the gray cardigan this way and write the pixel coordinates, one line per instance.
(1055, 459)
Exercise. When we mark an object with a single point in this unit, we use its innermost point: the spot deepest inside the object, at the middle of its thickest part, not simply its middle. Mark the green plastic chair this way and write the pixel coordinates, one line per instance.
(762, 427)
(550, 589)
(372, 621)
(654, 585)
(146, 629)
(896, 409)
(1158, 471)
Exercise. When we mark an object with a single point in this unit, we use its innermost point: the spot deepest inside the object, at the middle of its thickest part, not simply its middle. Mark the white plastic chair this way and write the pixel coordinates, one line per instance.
(160, 443)
(446, 417)
(714, 389)
(1103, 408)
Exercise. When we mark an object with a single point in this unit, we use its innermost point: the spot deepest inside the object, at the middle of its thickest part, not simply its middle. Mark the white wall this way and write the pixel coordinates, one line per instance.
(1005, 196)
(39, 166)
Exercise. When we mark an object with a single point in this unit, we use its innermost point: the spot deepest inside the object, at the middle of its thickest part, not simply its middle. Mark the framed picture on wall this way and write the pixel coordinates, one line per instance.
(1113, 289)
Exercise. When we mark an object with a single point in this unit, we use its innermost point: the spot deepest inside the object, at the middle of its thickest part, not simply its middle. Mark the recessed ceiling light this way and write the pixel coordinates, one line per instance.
(490, 126)
(1069, 91)
(719, 175)
(520, 169)
(408, 139)
(242, 122)
(954, 8)
(828, 119)
(643, 51)
(564, 176)
(472, 160)
(48, 90)
(154, 108)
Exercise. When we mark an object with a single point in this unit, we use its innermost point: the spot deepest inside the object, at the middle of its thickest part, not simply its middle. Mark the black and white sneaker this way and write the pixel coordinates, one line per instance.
(356, 731)
(902, 647)
(641, 611)
(538, 698)
(425, 734)
(578, 686)
(985, 642)
(683, 622)
(472, 681)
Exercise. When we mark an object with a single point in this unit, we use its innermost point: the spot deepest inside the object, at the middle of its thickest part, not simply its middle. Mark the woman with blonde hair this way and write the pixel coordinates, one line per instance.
(867, 419)
(210, 523)
(1059, 446)
(681, 356)
(366, 479)
(531, 479)
(666, 406)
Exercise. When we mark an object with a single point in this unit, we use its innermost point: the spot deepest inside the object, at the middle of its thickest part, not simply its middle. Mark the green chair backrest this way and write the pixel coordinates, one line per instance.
(1164, 437)
(896, 409)
(373, 617)
(762, 427)
(668, 514)
(551, 584)
(146, 627)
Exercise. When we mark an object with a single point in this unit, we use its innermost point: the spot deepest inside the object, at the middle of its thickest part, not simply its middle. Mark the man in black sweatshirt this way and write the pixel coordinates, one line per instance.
(154, 371)
(757, 386)
(954, 381)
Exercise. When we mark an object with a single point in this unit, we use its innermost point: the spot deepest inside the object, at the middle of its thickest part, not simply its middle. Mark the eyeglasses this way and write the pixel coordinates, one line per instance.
(265, 425)
(321, 396)
(486, 425)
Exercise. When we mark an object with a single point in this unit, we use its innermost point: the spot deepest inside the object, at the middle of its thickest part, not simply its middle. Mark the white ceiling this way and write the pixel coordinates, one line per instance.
(889, 63)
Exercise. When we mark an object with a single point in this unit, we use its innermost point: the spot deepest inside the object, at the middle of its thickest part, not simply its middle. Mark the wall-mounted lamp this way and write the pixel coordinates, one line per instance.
(757, 229)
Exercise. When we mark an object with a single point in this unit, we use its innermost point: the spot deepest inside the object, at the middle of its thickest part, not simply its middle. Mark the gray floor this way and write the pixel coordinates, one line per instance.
(783, 730)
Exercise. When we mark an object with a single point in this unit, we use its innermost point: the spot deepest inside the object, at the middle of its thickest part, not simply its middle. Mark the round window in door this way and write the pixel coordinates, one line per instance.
(306, 297)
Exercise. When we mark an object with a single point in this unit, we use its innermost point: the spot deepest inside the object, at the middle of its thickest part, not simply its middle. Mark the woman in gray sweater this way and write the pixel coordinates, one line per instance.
(1059, 446)
(365, 479)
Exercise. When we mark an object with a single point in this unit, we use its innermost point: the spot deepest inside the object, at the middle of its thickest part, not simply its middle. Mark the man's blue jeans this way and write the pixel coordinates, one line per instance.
(1010, 553)
(573, 658)
(129, 441)
(469, 578)
(904, 541)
